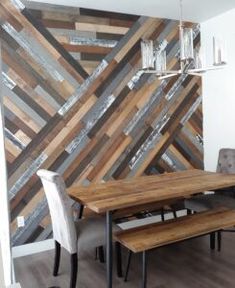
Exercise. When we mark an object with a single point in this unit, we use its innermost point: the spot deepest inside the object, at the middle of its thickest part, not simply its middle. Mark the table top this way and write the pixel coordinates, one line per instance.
(115, 195)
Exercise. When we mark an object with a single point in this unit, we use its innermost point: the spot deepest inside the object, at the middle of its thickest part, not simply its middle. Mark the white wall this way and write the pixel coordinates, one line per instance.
(4, 203)
(2, 282)
(219, 90)
(193, 10)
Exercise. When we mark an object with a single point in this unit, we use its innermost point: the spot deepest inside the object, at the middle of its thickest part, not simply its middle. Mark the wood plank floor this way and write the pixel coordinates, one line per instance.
(188, 264)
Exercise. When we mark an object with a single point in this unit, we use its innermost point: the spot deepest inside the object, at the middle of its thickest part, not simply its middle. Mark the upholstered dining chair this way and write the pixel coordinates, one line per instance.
(225, 197)
(73, 237)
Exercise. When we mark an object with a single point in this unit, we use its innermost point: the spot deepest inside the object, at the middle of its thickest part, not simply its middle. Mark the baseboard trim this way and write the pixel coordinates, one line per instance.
(16, 285)
(32, 248)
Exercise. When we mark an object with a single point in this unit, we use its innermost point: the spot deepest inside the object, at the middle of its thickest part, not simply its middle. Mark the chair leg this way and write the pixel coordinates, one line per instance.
(74, 270)
(189, 212)
(96, 253)
(174, 213)
(57, 258)
(118, 250)
(81, 211)
(101, 254)
(219, 239)
(212, 241)
(144, 271)
(162, 214)
(128, 265)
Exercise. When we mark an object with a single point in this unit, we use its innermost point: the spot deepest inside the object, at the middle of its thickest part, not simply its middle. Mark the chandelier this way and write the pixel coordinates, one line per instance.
(154, 58)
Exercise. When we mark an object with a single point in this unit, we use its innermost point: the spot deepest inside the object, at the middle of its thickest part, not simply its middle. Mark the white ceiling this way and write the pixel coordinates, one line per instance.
(194, 10)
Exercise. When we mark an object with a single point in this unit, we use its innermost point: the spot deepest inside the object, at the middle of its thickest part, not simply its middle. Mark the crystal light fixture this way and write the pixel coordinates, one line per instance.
(147, 54)
(154, 59)
(218, 52)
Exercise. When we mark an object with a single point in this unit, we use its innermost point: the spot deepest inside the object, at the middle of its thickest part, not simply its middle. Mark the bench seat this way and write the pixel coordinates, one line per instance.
(151, 236)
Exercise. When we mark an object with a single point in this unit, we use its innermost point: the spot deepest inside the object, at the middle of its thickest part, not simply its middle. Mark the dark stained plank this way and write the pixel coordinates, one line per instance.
(36, 142)
(11, 126)
(28, 100)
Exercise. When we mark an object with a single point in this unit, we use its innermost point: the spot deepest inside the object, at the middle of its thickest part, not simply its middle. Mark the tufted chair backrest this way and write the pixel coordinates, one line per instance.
(226, 164)
(226, 161)
(59, 203)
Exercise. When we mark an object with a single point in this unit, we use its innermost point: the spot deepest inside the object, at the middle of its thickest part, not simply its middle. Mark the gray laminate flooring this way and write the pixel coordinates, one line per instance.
(189, 264)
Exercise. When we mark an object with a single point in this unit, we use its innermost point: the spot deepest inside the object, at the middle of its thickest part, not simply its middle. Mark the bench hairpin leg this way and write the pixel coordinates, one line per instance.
(118, 258)
(101, 254)
(144, 271)
(128, 265)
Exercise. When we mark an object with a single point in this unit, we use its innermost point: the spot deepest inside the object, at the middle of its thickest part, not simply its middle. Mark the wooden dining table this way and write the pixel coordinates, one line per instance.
(107, 198)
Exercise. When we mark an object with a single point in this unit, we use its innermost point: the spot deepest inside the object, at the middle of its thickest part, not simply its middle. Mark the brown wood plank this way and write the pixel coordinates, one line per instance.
(64, 20)
(79, 191)
(6, 16)
(86, 49)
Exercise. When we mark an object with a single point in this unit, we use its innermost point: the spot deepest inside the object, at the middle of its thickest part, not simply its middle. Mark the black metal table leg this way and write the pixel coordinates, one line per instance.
(212, 241)
(109, 249)
(219, 237)
(144, 275)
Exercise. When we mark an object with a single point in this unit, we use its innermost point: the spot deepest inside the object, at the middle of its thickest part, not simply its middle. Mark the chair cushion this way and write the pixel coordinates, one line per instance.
(205, 202)
(91, 233)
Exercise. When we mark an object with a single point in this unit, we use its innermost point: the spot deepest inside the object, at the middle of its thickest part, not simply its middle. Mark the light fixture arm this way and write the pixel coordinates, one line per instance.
(154, 60)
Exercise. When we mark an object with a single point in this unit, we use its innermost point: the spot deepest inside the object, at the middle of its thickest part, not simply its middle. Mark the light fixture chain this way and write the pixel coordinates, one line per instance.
(181, 13)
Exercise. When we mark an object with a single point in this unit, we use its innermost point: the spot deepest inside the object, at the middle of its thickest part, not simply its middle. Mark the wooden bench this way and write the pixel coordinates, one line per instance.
(144, 238)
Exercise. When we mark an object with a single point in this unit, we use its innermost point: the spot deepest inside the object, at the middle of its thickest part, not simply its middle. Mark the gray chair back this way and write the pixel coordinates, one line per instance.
(64, 230)
(226, 164)
(226, 161)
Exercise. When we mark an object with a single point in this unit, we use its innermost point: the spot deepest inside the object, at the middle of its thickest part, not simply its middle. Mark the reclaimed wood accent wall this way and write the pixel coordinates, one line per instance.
(76, 103)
